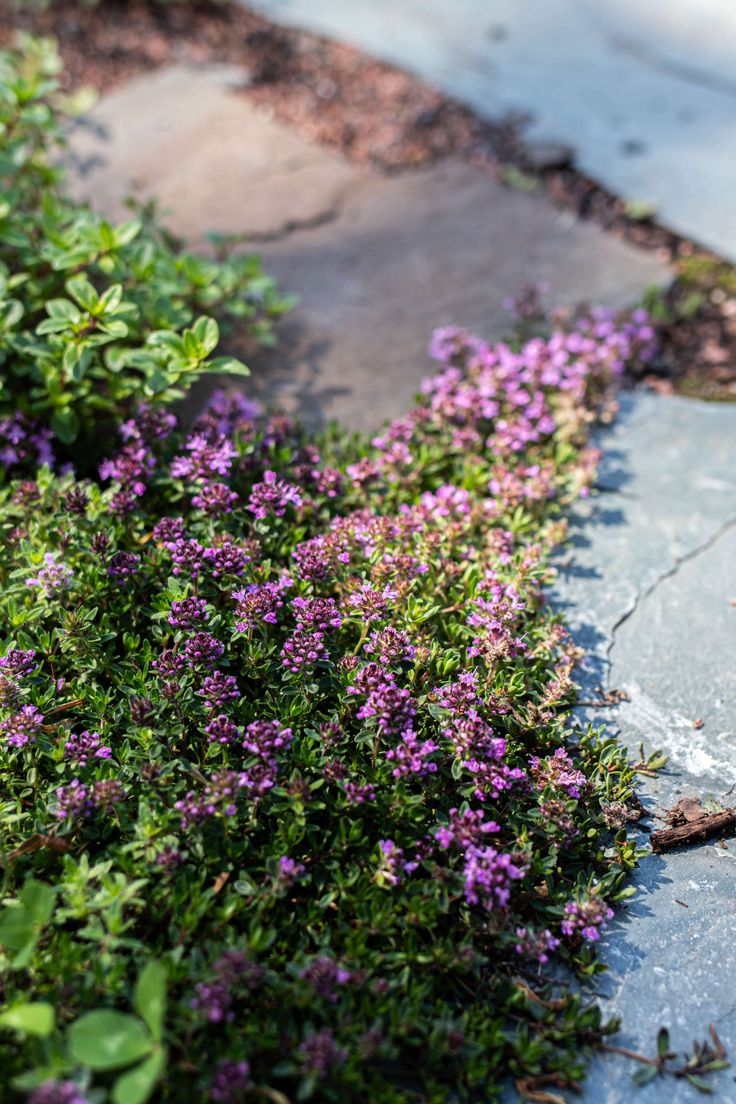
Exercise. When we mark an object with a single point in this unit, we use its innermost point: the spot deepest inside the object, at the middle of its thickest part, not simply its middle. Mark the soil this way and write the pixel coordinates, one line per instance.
(388, 121)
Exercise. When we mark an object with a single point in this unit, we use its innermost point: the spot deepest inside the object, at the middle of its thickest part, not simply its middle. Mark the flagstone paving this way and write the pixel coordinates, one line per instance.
(379, 262)
(649, 589)
(643, 92)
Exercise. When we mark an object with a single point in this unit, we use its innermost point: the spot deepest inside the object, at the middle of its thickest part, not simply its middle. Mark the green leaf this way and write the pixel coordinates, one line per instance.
(663, 1041)
(82, 292)
(107, 1039)
(65, 425)
(39, 899)
(35, 1018)
(16, 928)
(699, 1084)
(644, 1075)
(149, 999)
(207, 333)
(136, 1086)
(228, 366)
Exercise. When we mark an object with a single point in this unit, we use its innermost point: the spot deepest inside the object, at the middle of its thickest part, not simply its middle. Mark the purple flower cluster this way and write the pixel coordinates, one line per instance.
(218, 798)
(218, 689)
(21, 728)
(536, 944)
(203, 650)
(22, 439)
(587, 916)
(78, 801)
(324, 976)
(188, 613)
(19, 663)
(319, 1052)
(465, 829)
(123, 564)
(489, 875)
(83, 746)
(303, 650)
(52, 576)
(273, 496)
(58, 1092)
(321, 614)
(230, 1082)
(558, 772)
(258, 603)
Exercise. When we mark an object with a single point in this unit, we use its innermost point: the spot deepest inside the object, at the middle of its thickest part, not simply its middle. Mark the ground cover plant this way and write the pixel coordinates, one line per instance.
(291, 804)
(94, 316)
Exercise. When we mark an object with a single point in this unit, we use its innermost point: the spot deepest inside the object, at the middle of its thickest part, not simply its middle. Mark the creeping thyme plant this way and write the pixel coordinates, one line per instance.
(94, 316)
(291, 804)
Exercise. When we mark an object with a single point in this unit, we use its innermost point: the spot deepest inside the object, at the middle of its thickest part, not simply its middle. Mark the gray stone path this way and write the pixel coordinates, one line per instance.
(376, 262)
(645, 93)
(648, 590)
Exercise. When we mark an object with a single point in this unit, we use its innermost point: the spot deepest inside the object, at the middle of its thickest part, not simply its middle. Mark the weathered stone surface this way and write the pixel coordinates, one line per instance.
(376, 263)
(407, 254)
(648, 591)
(645, 92)
(214, 161)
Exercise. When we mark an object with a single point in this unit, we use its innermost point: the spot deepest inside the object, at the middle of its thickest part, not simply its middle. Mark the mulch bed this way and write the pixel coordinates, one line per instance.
(387, 120)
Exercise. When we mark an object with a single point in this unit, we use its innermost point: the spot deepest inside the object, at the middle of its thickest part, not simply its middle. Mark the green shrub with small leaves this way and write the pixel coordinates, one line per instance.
(95, 316)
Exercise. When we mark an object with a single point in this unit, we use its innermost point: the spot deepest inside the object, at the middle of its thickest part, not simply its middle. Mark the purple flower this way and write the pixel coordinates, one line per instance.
(204, 457)
(226, 558)
(303, 650)
(215, 499)
(465, 829)
(588, 916)
(187, 556)
(369, 604)
(73, 801)
(289, 872)
(188, 613)
(323, 974)
(83, 746)
(272, 497)
(390, 645)
(221, 730)
(536, 944)
(316, 613)
(412, 756)
(58, 1092)
(123, 564)
(203, 650)
(169, 530)
(52, 576)
(257, 603)
(488, 877)
(19, 663)
(21, 728)
(169, 663)
(218, 689)
(319, 1052)
(218, 798)
(558, 772)
(230, 1082)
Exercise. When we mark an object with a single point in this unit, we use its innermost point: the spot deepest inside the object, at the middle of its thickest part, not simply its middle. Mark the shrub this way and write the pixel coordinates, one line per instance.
(95, 317)
(286, 733)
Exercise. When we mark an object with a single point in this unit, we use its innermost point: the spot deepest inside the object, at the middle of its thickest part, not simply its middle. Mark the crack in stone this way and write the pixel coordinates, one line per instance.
(295, 226)
(641, 597)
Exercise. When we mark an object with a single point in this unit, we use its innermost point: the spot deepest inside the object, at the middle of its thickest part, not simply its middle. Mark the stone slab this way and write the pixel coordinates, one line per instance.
(214, 161)
(644, 92)
(377, 263)
(407, 254)
(647, 586)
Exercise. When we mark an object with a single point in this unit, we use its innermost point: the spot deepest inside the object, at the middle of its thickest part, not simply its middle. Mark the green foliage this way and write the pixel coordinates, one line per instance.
(95, 316)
